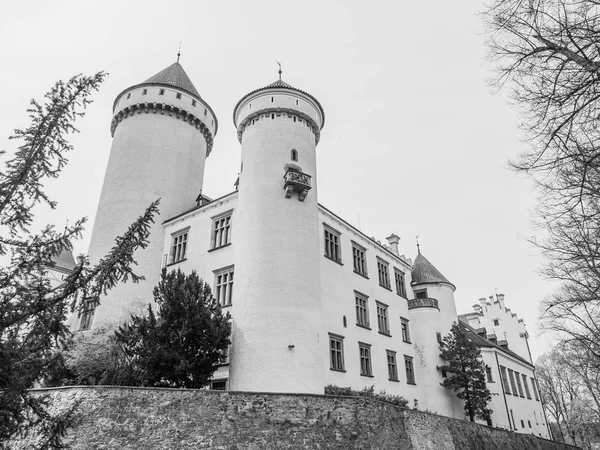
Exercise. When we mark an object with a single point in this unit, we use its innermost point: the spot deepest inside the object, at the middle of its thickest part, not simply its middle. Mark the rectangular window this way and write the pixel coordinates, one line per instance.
(405, 329)
(384, 274)
(161, 92)
(221, 230)
(488, 373)
(362, 310)
(144, 92)
(410, 371)
(400, 284)
(193, 102)
(504, 380)
(178, 96)
(218, 385)
(526, 386)
(438, 336)
(513, 386)
(359, 260)
(178, 246)
(336, 352)
(496, 322)
(224, 285)
(535, 389)
(365, 359)
(332, 244)
(421, 293)
(392, 366)
(87, 314)
(382, 318)
(518, 377)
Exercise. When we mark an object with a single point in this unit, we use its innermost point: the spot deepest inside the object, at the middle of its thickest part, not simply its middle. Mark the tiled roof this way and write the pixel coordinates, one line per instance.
(425, 272)
(483, 342)
(280, 84)
(175, 76)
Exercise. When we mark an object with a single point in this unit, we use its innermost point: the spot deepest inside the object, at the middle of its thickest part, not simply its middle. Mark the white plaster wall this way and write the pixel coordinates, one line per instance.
(278, 300)
(510, 327)
(523, 408)
(152, 156)
(339, 281)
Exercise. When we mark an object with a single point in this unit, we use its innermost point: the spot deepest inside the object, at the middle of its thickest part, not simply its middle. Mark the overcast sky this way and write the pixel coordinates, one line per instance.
(415, 141)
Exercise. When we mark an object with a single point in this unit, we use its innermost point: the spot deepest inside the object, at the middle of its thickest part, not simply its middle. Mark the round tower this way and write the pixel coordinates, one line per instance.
(277, 335)
(434, 310)
(162, 133)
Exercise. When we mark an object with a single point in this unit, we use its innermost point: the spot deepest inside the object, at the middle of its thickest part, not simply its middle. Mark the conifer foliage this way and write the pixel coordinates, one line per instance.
(182, 343)
(32, 310)
(465, 372)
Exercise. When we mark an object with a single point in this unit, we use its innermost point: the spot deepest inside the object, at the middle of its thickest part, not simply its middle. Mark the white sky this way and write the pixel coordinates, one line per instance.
(415, 141)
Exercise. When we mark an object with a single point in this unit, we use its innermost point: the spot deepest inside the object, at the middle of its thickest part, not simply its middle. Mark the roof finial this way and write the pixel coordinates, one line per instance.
(418, 246)
(280, 71)
(179, 52)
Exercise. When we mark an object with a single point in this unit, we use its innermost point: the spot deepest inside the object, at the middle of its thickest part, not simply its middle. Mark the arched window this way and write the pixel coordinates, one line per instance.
(294, 155)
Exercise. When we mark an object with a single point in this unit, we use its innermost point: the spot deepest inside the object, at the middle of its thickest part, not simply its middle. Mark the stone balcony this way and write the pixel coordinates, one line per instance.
(423, 303)
(296, 182)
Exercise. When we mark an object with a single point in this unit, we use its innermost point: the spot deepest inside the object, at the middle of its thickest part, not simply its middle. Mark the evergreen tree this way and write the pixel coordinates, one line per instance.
(466, 372)
(182, 343)
(32, 311)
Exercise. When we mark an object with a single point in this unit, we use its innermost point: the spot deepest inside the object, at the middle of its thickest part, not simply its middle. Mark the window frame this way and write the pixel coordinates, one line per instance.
(224, 288)
(488, 374)
(400, 280)
(392, 365)
(504, 378)
(526, 386)
(217, 231)
(87, 314)
(409, 368)
(359, 259)
(383, 318)
(362, 320)
(364, 354)
(536, 392)
(339, 359)
(511, 377)
(176, 254)
(405, 330)
(335, 241)
(383, 272)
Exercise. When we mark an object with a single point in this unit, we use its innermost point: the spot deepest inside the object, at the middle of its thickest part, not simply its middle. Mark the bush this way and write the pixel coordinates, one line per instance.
(368, 392)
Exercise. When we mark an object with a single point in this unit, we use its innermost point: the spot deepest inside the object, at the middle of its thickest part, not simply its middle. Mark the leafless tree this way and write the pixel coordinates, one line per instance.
(547, 54)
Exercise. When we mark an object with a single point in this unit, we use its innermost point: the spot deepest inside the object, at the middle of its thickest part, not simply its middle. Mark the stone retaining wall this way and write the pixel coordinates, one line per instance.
(144, 418)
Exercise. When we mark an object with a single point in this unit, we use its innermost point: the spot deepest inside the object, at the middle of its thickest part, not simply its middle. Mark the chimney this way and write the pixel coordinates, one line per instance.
(393, 240)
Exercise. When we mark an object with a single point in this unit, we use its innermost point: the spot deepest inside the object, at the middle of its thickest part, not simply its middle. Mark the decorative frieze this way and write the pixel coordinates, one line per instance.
(280, 113)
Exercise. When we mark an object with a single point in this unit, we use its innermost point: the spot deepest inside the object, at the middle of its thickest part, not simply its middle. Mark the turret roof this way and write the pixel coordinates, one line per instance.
(424, 272)
(175, 76)
(279, 84)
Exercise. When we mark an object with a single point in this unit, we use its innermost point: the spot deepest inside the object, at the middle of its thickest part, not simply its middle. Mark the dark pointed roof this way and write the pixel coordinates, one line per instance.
(175, 76)
(279, 84)
(425, 272)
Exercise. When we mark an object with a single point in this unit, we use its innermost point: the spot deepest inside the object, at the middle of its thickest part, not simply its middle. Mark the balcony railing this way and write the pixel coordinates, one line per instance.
(296, 182)
(423, 303)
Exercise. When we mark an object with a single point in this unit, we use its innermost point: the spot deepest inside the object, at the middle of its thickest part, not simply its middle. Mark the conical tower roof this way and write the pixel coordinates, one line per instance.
(424, 272)
(174, 76)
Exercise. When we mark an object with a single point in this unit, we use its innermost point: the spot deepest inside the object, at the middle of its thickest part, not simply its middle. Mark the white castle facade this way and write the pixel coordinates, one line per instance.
(313, 300)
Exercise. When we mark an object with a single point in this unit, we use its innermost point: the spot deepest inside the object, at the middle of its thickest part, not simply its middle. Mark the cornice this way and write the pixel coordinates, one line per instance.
(279, 110)
(164, 108)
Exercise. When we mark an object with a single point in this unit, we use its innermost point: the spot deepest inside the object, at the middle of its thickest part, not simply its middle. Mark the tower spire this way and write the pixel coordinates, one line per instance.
(418, 246)
(179, 52)
(280, 71)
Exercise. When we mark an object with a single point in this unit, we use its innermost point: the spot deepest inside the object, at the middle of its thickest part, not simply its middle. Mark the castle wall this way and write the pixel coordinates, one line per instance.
(142, 418)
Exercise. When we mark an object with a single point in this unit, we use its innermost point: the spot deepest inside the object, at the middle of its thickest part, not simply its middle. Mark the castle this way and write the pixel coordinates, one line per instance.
(314, 301)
